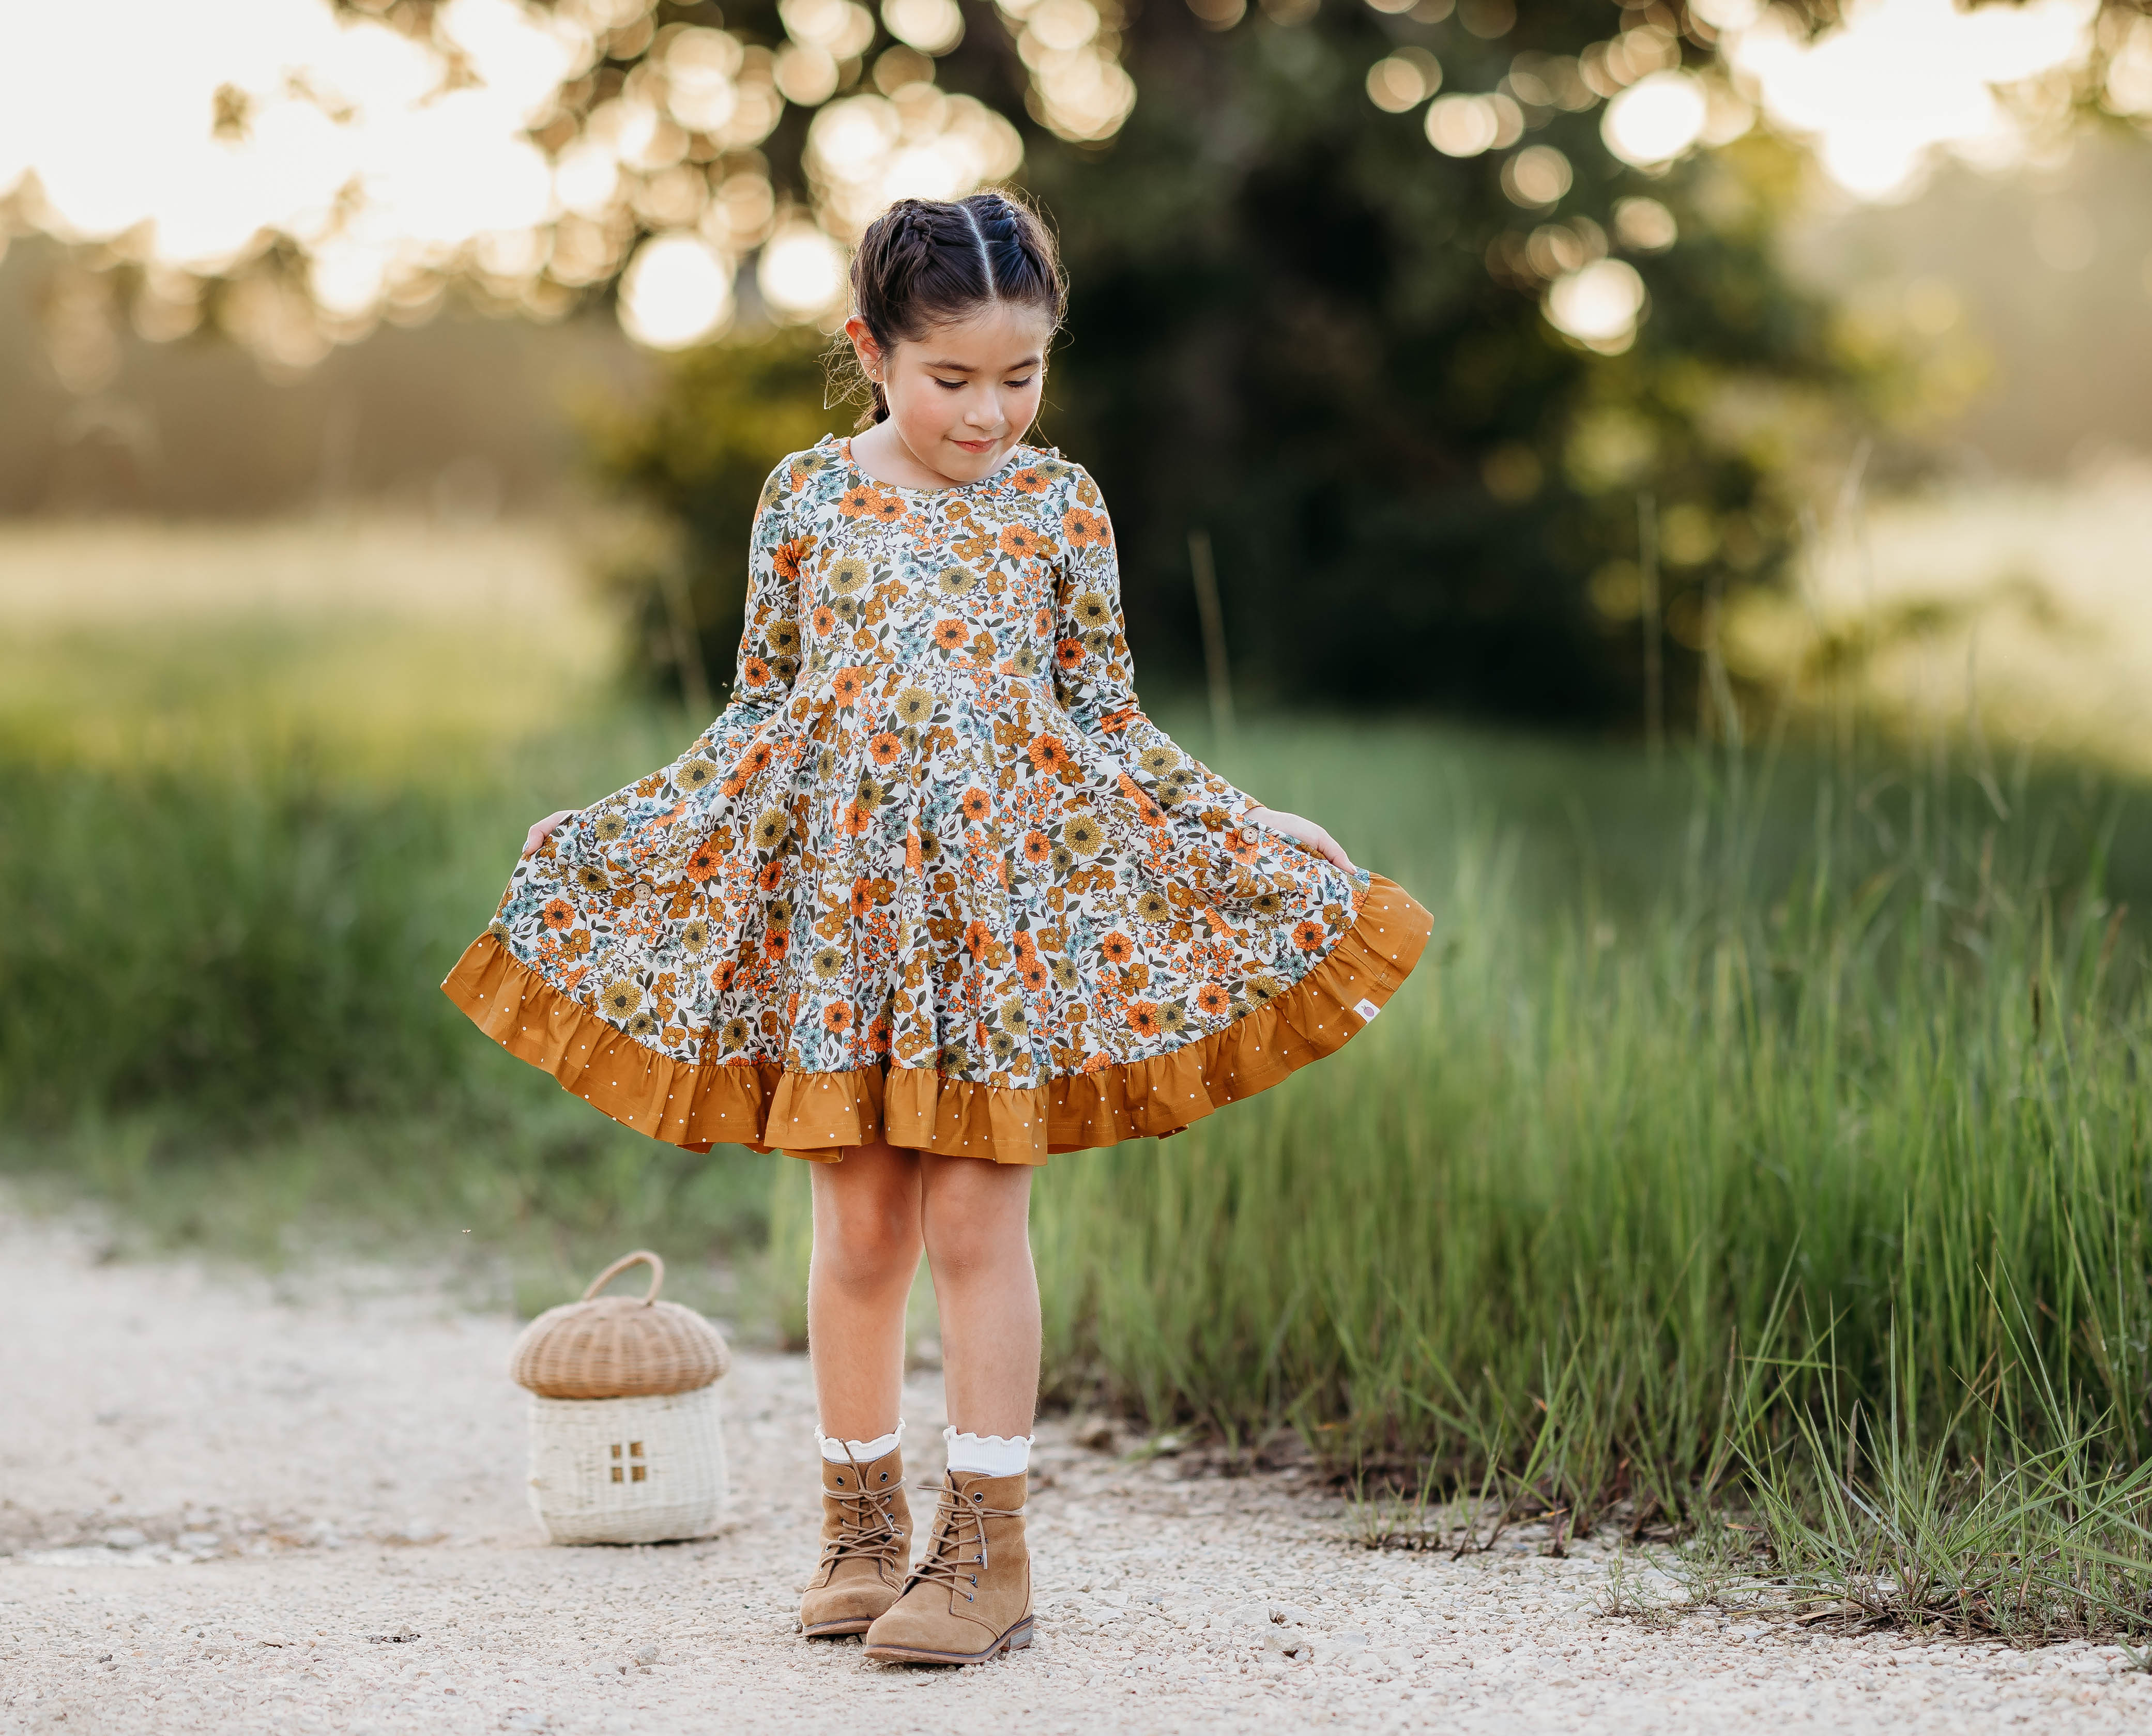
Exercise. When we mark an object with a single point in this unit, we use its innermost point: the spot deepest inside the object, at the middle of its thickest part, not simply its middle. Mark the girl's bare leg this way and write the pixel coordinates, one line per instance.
(866, 1254)
(977, 1215)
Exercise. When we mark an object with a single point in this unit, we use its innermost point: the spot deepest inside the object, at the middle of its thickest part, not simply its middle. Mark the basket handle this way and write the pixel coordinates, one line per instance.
(656, 1273)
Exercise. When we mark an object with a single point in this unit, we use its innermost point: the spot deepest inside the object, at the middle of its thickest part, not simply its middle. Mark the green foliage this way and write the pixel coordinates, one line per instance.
(699, 454)
(1297, 324)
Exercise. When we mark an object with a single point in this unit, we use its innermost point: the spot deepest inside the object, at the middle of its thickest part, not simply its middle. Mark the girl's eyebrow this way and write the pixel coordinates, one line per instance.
(1029, 361)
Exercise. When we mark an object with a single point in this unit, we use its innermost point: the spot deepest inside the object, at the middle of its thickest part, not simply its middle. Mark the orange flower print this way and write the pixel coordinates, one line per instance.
(975, 805)
(863, 897)
(878, 1035)
(1085, 529)
(855, 817)
(721, 975)
(558, 914)
(978, 939)
(773, 874)
(777, 943)
(1037, 846)
(1116, 948)
(1033, 973)
(885, 748)
(1069, 653)
(785, 558)
(824, 620)
(1022, 541)
(1029, 481)
(847, 684)
(837, 1016)
(857, 501)
(1212, 1000)
(1049, 752)
(753, 672)
(886, 508)
(1308, 935)
(1142, 1017)
(705, 861)
(949, 634)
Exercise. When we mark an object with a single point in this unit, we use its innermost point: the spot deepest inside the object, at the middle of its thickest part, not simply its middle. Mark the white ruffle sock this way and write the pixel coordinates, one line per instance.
(988, 1455)
(863, 1451)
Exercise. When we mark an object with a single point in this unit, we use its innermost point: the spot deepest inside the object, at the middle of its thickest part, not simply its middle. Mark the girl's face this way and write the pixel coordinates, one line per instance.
(963, 393)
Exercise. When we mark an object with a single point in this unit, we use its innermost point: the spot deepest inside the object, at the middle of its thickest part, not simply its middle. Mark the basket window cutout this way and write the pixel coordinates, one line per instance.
(628, 1465)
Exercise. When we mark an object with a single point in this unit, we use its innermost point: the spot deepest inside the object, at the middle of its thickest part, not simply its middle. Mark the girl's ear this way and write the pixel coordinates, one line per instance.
(865, 348)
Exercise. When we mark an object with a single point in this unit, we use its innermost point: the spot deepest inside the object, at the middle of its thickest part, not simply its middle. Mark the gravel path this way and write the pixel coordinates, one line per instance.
(226, 1507)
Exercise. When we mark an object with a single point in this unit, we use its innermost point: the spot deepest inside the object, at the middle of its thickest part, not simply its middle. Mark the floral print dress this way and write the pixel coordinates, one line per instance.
(932, 875)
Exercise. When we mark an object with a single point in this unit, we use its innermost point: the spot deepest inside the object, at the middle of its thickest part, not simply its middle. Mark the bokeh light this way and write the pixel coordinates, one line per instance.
(1644, 224)
(1404, 80)
(1902, 79)
(1599, 305)
(1537, 176)
(677, 292)
(1466, 126)
(801, 275)
(932, 27)
(1656, 118)
(288, 139)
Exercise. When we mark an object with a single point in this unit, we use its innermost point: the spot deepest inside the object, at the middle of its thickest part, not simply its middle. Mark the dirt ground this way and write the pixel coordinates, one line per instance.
(229, 1504)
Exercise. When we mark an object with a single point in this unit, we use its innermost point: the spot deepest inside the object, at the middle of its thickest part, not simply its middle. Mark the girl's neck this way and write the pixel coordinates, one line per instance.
(880, 454)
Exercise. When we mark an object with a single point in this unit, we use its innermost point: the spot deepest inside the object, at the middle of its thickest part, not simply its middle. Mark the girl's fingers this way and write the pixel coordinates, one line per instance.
(544, 828)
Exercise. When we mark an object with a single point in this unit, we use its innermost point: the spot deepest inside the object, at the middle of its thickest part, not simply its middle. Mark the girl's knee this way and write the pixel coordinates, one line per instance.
(868, 1238)
(960, 1243)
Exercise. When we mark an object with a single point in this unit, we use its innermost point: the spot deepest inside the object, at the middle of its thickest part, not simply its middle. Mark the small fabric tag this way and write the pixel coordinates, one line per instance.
(1366, 1009)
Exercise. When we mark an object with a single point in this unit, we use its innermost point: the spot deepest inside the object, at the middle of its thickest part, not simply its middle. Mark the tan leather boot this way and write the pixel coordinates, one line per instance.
(866, 1544)
(970, 1597)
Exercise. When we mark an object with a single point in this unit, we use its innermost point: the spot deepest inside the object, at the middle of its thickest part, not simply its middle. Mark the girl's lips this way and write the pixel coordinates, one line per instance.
(974, 445)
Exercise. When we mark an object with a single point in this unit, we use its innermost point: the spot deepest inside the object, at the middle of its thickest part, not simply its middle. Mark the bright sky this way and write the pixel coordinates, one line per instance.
(357, 144)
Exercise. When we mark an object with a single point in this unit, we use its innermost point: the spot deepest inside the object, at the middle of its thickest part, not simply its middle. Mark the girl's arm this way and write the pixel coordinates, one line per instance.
(1095, 682)
(769, 658)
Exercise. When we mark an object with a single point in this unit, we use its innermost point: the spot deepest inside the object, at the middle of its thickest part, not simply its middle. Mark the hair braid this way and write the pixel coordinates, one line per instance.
(925, 262)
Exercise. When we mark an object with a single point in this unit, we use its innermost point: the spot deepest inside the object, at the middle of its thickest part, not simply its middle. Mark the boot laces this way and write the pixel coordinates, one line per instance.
(868, 1528)
(957, 1522)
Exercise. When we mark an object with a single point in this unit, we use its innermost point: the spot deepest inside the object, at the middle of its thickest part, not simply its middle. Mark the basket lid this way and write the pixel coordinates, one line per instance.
(618, 1346)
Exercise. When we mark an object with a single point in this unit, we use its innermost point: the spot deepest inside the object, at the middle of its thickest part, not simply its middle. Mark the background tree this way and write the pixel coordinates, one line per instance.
(1300, 327)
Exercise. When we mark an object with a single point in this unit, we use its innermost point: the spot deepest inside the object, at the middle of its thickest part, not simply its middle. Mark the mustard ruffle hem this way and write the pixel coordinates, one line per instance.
(816, 1115)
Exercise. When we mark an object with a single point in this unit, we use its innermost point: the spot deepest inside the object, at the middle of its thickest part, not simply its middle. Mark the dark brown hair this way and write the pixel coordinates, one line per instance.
(924, 262)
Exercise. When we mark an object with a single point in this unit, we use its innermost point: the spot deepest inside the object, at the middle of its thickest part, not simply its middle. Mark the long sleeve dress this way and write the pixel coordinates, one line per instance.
(932, 876)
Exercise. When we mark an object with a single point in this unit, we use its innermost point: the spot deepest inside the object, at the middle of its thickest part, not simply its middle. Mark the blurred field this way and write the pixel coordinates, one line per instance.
(387, 643)
(1746, 1093)
(2024, 606)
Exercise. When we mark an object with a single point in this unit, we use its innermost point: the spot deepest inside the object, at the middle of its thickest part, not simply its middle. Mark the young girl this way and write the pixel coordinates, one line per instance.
(932, 899)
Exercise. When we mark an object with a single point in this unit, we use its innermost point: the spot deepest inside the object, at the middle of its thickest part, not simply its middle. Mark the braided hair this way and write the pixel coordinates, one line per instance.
(924, 262)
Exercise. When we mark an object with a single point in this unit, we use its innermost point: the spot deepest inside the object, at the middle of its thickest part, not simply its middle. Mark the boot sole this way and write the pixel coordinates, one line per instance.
(838, 1630)
(1015, 1640)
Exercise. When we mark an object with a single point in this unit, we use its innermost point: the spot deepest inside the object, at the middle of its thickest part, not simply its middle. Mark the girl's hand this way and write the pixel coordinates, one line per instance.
(1303, 832)
(546, 828)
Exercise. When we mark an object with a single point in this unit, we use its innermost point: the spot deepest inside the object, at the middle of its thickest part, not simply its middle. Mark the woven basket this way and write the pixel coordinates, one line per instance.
(625, 1444)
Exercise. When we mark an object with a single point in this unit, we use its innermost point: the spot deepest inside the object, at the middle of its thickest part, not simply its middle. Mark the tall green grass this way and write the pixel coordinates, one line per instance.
(1588, 1171)
(219, 1011)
